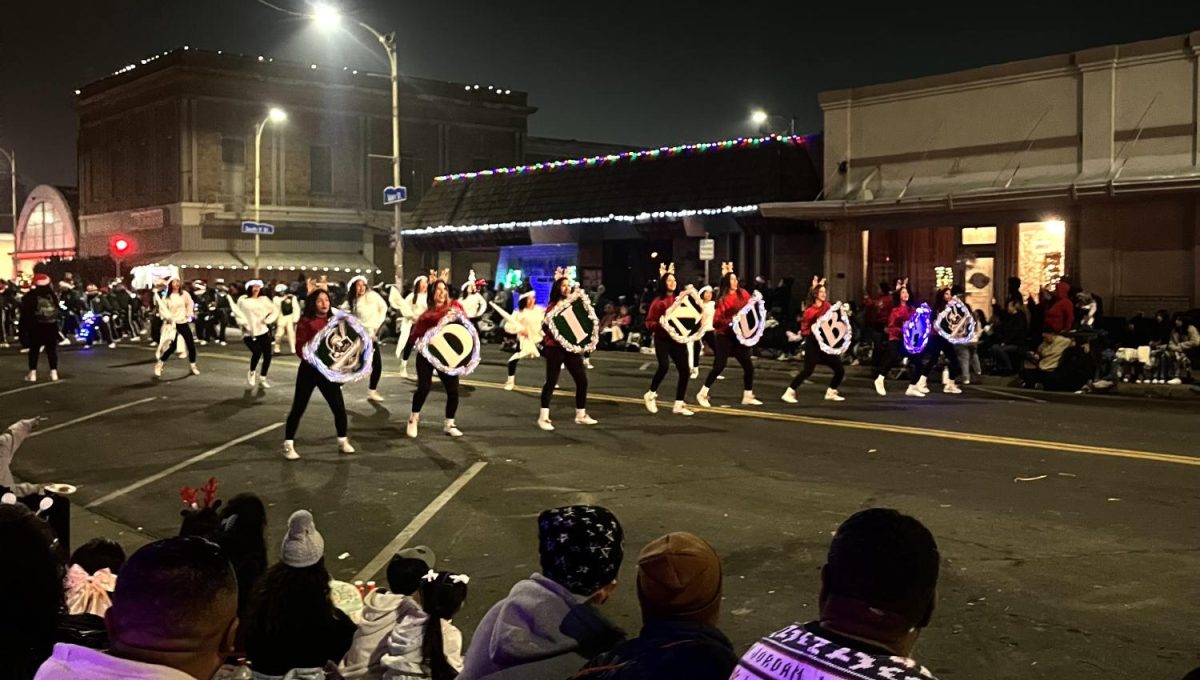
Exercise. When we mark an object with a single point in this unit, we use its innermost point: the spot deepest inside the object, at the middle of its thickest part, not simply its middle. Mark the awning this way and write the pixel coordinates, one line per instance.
(352, 263)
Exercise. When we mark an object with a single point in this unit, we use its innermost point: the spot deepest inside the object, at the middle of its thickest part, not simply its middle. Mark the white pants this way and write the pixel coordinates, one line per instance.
(286, 330)
(405, 330)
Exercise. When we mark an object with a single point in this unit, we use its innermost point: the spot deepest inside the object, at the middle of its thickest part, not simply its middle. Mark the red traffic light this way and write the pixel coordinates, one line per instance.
(120, 246)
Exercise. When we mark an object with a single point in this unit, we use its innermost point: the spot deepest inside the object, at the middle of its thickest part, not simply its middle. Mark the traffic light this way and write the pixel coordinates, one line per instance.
(120, 246)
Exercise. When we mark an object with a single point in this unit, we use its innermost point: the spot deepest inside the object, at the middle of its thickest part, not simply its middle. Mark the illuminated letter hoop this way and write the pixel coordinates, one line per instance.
(916, 330)
(452, 346)
(956, 323)
(573, 323)
(682, 320)
(832, 331)
(342, 350)
(750, 321)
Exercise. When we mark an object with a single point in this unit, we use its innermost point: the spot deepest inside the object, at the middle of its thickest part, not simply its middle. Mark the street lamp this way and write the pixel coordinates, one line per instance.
(327, 17)
(275, 115)
(12, 167)
(760, 117)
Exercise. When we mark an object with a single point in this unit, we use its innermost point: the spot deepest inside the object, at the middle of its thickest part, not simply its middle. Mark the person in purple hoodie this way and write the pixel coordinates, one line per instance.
(878, 589)
(549, 625)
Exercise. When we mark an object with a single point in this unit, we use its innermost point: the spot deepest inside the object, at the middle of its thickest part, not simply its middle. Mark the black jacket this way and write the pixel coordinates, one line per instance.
(666, 650)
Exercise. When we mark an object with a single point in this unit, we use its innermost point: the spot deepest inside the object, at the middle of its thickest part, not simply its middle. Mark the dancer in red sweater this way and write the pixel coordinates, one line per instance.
(730, 301)
(316, 315)
(439, 303)
(818, 304)
(894, 351)
(666, 349)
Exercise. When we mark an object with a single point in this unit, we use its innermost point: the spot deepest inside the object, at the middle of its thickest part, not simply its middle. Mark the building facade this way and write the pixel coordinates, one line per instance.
(167, 157)
(47, 228)
(1083, 164)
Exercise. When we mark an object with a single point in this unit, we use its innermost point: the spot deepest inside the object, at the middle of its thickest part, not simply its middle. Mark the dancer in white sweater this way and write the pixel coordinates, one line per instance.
(371, 310)
(176, 310)
(411, 307)
(526, 324)
(287, 306)
(256, 314)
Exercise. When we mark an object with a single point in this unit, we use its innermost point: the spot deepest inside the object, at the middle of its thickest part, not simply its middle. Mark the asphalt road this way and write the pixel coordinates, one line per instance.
(1068, 525)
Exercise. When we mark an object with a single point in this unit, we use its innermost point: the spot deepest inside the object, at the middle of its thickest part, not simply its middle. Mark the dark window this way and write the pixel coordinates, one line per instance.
(412, 175)
(233, 150)
(320, 167)
(481, 163)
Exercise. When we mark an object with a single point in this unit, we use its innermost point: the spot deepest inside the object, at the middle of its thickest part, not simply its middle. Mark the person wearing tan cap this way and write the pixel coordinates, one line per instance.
(679, 589)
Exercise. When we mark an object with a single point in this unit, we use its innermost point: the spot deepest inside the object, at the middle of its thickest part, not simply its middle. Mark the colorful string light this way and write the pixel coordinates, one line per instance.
(657, 216)
(739, 143)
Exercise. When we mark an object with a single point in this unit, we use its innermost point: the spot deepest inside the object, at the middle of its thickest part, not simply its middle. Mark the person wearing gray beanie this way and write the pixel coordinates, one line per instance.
(292, 622)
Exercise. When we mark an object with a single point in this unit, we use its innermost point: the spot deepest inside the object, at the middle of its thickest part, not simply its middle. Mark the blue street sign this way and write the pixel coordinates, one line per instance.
(394, 195)
(260, 228)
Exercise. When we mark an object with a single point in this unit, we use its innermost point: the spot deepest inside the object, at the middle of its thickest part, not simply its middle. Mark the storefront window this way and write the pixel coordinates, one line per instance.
(1041, 255)
(978, 236)
(45, 230)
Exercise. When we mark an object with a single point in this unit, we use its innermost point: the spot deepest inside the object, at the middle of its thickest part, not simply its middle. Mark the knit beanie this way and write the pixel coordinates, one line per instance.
(303, 546)
(580, 547)
(679, 579)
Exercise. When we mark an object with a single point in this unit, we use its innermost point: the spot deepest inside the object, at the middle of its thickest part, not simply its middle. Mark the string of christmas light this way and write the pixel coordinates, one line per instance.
(657, 216)
(740, 142)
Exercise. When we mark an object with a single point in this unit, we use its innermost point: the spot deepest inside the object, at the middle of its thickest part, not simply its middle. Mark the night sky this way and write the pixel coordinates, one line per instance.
(647, 72)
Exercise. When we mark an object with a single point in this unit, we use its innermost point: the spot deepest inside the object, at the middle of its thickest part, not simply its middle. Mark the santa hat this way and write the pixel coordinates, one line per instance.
(41, 280)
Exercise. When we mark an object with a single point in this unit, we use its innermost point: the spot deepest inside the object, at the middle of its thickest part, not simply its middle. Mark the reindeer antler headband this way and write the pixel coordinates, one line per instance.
(726, 268)
(818, 281)
(443, 275)
(664, 269)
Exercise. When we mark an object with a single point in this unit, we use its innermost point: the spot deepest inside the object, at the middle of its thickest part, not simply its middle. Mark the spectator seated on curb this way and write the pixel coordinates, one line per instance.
(878, 589)
(89, 584)
(31, 592)
(1046, 360)
(679, 589)
(292, 623)
(424, 644)
(174, 617)
(383, 610)
(548, 625)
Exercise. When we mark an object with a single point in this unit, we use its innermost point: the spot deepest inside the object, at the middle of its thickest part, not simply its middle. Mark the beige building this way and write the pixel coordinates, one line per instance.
(1083, 164)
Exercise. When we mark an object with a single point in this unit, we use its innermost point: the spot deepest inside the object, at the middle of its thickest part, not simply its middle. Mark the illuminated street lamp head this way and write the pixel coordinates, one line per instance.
(325, 16)
(758, 117)
(277, 115)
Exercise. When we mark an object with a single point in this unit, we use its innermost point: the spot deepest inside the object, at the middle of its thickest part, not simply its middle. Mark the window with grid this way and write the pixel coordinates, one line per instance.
(320, 164)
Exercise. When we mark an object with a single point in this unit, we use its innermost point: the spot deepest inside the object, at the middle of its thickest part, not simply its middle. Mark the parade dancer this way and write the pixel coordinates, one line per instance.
(730, 301)
(696, 347)
(472, 301)
(557, 357)
(40, 316)
(526, 324)
(287, 309)
(817, 305)
(95, 301)
(176, 310)
(939, 345)
(206, 311)
(666, 349)
(317, 308)
(410, 307)
(223, 309)
(371, 310)
(894, 352)
(256, 314)
(438, 304)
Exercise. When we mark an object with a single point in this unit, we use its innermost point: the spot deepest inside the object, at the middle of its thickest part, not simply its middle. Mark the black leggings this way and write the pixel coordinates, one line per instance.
(407, 350)
(939, 345)
(425, 371)
(726, 345)
(307, 378)
(44, 336)
(813, 356)
(182, 330)
(260, 348)
(376, 366)
(698, 347)
(893, 353)
(512, 367)
(557, 357)
(668, 351)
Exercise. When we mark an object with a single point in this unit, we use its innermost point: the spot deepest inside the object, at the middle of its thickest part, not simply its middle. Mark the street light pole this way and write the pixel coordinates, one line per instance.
(11, 155)
(278, 116)
(388, 40)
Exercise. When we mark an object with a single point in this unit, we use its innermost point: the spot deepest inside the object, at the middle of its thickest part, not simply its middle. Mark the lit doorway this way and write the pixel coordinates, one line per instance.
(1041, 255)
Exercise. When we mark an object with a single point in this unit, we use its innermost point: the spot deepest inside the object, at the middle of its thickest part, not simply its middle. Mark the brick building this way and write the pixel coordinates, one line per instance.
(166, 156)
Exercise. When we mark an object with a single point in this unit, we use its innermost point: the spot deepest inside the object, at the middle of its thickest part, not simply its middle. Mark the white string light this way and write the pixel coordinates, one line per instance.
(657, 216)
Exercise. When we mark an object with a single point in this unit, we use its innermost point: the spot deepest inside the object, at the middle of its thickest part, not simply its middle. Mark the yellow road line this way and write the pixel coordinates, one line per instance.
(974, 437)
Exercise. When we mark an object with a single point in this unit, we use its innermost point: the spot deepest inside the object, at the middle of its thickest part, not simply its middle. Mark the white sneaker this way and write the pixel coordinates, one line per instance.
(64, 342)
(158, 367)
(31, 376)
(587, 363)
(194, 369)
(543, 420)
(951, 388)
(411, 428)
(289, 450)
(223, 343)
(923, 385)
(879, 388)
(720, 377)
(789, 395)
(344, 445)
(404, 369)
(510, 383)
(374, 395)
(966, 381)
(748, 399)
(252, 378)
(702, 398)
(1172, 381)
(681, 408)
(945, 375)
(53, 375)
(450, 429)
(913, 391)
(112, 345)
(264, 383)
(582, 418)
(832, 395)
(694, 374)
(202, 343)
(651, 401)
(275, 349)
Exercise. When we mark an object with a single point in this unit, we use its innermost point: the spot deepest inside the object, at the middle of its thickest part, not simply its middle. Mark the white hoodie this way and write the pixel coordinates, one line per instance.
(72, 662)
(404, 660)
(177, 308)
(254, 314)
(371, 308)
(10, 441)
(380, 614)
